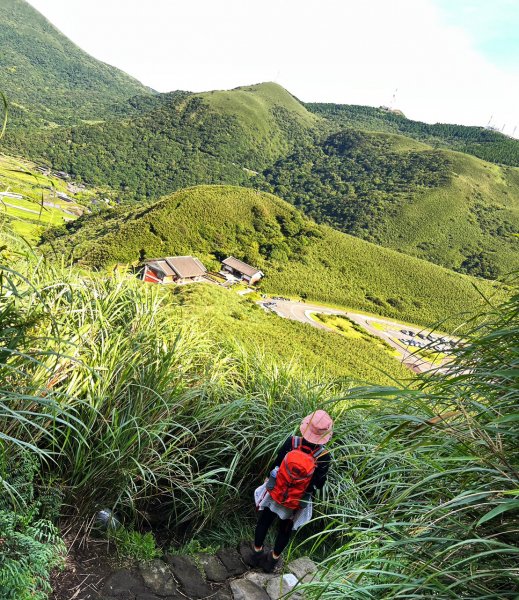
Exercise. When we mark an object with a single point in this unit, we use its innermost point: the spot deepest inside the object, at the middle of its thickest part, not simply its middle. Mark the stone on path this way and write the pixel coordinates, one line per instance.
(231, 561)
(303, 568)
(185, 571)
(260, 579)
(279, 586)
(243, 589)
(222, 594)
(122, 583)
(214, 569)
(158, 578)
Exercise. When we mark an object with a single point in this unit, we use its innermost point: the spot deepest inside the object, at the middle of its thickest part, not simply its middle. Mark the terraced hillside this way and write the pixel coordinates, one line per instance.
(300, 258)
(32, 202)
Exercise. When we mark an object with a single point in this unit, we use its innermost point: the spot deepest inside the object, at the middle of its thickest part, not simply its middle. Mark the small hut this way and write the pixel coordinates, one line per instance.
(173, 269)
(241, 270)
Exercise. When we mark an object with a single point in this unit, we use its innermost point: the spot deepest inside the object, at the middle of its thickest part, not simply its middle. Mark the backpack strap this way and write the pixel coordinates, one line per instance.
(297, 442)
(321, 451)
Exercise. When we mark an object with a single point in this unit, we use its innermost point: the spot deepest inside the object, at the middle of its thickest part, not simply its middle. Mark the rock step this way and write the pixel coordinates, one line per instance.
(224, 576)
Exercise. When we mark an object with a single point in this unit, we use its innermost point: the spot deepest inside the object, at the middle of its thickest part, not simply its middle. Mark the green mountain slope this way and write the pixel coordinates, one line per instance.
(48, 79)
(298, 257)
(229, 319)
(175, 140)
(485, 143)
(446, 207)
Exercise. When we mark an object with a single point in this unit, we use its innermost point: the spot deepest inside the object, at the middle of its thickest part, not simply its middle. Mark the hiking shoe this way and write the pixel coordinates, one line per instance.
(250, 556)
(269, 563)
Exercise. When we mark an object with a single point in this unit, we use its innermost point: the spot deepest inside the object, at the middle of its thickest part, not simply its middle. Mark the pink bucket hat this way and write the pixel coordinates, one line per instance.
(317, 427)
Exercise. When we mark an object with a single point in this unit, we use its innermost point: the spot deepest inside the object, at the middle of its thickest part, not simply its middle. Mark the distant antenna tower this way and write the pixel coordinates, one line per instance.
(513, 132)
(489, 121)
(393, 99)
(503, 128)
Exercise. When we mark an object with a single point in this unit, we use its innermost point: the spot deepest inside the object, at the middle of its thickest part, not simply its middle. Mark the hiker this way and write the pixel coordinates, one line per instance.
(300, 468)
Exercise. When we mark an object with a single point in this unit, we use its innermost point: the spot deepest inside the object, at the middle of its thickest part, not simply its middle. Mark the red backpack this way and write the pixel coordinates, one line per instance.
(295, 473)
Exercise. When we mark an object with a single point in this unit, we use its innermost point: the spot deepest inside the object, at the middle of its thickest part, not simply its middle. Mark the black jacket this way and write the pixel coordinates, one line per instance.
(323, 464)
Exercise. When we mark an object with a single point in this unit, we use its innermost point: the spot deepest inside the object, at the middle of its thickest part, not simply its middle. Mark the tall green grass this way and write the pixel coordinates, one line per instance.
(127, 406)
(427, 503)
(148, 416)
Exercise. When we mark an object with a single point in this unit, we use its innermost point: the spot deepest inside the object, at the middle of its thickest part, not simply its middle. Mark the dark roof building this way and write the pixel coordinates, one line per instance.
(173, 269)
(241, 269)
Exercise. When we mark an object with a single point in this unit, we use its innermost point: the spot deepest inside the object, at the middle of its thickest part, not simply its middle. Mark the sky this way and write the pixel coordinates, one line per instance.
(451, 61)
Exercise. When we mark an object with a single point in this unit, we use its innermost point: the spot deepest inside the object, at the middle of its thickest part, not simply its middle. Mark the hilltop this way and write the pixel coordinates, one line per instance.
(346, 166)
(446, 207)
(174, 140)
(49, 80)
(443, 206)
(299, 257)
(484, 143)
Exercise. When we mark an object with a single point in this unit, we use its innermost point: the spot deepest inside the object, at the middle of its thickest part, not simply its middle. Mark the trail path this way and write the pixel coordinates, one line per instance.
(223, 576)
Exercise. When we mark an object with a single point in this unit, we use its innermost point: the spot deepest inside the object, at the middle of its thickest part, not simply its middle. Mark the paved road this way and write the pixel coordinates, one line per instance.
(301, 311)
(37, 212)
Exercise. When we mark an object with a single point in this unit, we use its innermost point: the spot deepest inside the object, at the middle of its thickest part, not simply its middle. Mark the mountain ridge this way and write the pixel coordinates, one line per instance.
(47, 78)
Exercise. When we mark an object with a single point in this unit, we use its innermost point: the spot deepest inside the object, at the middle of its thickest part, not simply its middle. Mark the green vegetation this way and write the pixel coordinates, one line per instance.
(133, 545)
(484, 143)
(176, 140)
(445, 207)
(167, 405)
(145, 414)
(430, 505)
(30, 544)
(40, 206)
(299, 258)
(350, 330)
(230, 320)
(47, 79)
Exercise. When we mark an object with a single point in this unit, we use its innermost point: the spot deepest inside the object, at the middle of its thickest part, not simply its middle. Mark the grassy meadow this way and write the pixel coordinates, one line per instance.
(476, 215)
(229, 319)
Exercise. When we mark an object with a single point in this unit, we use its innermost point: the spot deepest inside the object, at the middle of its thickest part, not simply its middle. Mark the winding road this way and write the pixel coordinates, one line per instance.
(391, 332)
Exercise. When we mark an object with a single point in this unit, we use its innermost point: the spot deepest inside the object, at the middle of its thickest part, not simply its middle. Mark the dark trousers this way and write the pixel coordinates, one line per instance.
(265, 520)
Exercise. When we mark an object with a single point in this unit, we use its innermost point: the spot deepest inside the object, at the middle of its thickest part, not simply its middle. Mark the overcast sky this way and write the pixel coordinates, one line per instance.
(451, 61)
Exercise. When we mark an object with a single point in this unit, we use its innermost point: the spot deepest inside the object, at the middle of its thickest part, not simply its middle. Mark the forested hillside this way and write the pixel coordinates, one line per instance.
(488, 144)
(299, 258)
(47, 79)
(176, 140)
(445, 207)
